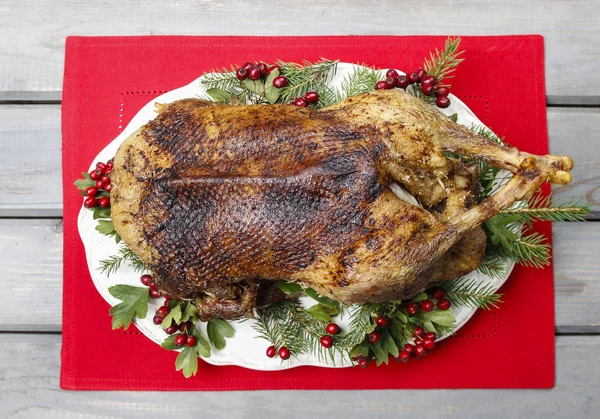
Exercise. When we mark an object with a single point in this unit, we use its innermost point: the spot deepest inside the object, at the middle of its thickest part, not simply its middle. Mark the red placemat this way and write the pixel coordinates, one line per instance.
(107, 80)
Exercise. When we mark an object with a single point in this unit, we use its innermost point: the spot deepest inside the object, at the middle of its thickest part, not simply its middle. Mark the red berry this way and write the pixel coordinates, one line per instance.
(101, 166)
(430, 80)
(404, 356)
(180, 340)
(427, 305)
(263, 68)
(254, 73)
(271, 352)
(442, 102)
(105, 180)
(374, 337)
(332, 329)
(311, 97)
(437, 293)
(171, 329)
(300, 102)
(108, 169)
(412, 77)
(409, 348)
(191, 340)
(392, 73)
(273, 68)
(241, 73)
(185, 327)
(442, 91)
(247, 66)
(391, 81)
(419, 351)
(154, 293)
(362, 363)
(428, 89)
(167, 301)
(428, 343)
(412, 309)
(99, 184)
(419, 331)
(94, 175)
(284, 353)
(382, 85)
(421, 74)
(104, 202)
(90, 202)
(443, 304)
(326, 341)
(381, 321)
(91, 191)
(430, 335)
(162, 311)
(402, 82)
(145, 279)
(279, 82)
(157, 320)
(108, 187)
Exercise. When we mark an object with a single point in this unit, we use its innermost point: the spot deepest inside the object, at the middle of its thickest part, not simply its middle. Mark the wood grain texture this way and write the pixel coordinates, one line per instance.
(31, 275)
(29, 379)
(30, 173)
(32, 44)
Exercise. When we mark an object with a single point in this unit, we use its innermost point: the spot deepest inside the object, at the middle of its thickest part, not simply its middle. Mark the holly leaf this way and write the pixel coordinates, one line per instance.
(322, 313)
(289, 287)
(218, 330)
(173, 316)
(321, 299)
(219, 95)
(134, 304)
(443, 318)
(187, 361)
(105, 227)
(271, 92)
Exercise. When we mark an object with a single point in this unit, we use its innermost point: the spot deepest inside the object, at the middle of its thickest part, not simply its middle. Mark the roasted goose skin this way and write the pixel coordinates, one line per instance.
(221, 201)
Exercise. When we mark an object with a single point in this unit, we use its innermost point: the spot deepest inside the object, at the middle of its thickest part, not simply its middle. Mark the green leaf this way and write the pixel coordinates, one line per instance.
(134, 304)
(454, 117)
(202, 347)
(101, 213)
(289, 287)
(443, 318)
(256, 86)
(429, 326)
(397, 329)
(174, 315)
(87, 177)
(381, 356)
(322, 312)
(105, 227)
(169, 343)
(117, 238)
(219, 95)
(321, 299)
(189, 312)
(83, 184)
(419, 297)
(102, 193)
(389, 344)
(360, 349)
(272, 93)
(187, 361)
(218, 330)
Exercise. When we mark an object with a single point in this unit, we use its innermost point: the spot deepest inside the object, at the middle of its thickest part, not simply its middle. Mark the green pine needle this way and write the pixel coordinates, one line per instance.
(113, 263)
(542, 207)
(471, 293)
(361, 80)
(442, 64)
(308, 77)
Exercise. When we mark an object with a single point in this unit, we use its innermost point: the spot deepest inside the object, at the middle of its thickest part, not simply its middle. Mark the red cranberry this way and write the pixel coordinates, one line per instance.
(437, 293)
(185, 327)
(332, 329)
(263, 68)
(91, 191)
(154, 293)
(167, 301)
(284, 353)
(412, 309)
(311, 97)
(180, 340)
(104, 202)
(442, 102)
(90, 202)
(421, 74)
(254, 73)
(391, 81)
(108, 187)
(171, 329)
(191, 340)
(381, 321)
(374, 337)
(419, 351)
(392, 73)
(428, 343)
(145, 279)
(404, 356)
(428, 89)
(409, 348)
(419, 331)
(94, 175)
(430, 335)
(412, 77)
(101, 166)
(271, 352)
(326, 341)
(427, 305)
(279, 82)
(162, 311)
(402, 82)
(428, 80)
(157, 319)
(382, 85)
(105, 180)
(99, 184)
(273, 68)
(241, 73)
(108, 169)
(443, 304)
(362, 363)
(300, 102)
(442, 91)
(248, 66)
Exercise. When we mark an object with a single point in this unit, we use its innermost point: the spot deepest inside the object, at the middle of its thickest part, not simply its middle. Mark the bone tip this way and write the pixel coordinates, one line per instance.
(528, 163)
(567, 162)
(562, 177)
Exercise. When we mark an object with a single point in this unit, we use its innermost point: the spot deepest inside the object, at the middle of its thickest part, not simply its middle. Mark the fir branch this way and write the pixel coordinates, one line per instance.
(308, 77)
(113, 263)
(493, 267)
(442, 64)
(471, 293)
(361, 80)
(531, 250)
(361, 324)
(542, 207)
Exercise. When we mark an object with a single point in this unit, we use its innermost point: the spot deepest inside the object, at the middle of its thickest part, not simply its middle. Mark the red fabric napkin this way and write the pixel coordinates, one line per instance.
(107, 80)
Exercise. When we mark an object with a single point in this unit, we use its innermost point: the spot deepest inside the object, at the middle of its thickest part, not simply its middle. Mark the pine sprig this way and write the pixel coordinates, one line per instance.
(360, 80)
(307, 77)
(442, 64)
(471, 293)
(113, 263)
(542, 207)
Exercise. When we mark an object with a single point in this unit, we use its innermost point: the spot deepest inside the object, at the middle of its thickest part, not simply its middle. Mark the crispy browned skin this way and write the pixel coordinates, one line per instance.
(216, 200)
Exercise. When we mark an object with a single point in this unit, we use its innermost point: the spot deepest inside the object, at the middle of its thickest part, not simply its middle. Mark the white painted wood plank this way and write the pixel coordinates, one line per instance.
(29, 379)
(30, 169)
(32, 44)
(31, 275)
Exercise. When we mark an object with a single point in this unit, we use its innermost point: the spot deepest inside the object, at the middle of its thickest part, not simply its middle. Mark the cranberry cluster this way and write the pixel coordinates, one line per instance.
(422, 343)
(309, 97)
(284, 353)
(148, 281)
(427, 85)
(101, 175)
(255, 71)
(440, 302)
(327, 340)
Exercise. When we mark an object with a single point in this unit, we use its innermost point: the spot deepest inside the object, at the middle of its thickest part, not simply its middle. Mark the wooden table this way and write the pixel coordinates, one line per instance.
(32, 35)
